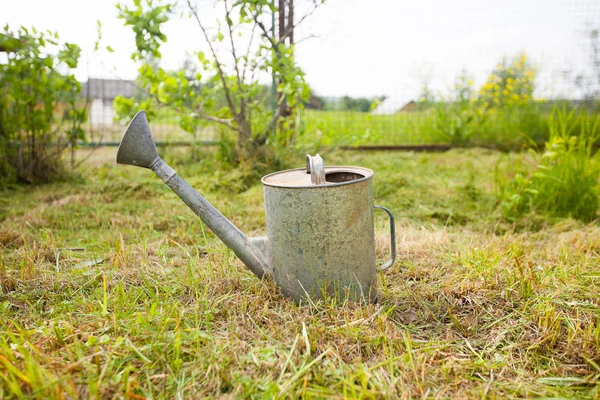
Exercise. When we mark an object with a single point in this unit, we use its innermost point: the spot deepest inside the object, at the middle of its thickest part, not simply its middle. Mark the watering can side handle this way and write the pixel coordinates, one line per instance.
(392, 258)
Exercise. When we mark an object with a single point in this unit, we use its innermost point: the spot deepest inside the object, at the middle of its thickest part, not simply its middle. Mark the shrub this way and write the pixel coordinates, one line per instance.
(563, 180)
(500, 113)
(32, 90)
(510, 84)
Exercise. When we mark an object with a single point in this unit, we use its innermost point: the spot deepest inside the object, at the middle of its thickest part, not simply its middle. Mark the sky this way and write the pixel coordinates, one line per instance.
(360, 47)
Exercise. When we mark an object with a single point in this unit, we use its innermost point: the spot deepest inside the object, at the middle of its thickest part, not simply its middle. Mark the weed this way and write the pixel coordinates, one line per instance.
(563, 180)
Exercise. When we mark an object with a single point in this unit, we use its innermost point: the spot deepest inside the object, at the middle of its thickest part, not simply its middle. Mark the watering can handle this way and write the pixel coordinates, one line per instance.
(316, 168)
(392, 258)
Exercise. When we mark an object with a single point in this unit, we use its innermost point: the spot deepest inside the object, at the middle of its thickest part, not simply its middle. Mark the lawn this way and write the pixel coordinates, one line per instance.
(500, 128)
(112, 288)
(365, 128)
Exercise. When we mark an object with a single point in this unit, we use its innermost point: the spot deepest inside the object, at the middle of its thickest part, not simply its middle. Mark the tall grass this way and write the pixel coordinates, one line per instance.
(466, 124)
(511, 128)
(444, 123)
(563, 180)
(352, 128)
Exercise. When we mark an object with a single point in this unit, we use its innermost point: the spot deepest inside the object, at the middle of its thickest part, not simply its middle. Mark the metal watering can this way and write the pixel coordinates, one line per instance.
(320, 229)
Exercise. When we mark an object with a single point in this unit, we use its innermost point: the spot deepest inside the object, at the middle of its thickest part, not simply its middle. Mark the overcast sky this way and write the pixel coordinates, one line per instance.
(363, 47)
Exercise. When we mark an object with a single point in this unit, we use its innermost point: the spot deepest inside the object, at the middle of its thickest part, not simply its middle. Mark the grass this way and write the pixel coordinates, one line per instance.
(162, 132)
(503, 128)
(110, 287)
(360, 128)
(563, 181)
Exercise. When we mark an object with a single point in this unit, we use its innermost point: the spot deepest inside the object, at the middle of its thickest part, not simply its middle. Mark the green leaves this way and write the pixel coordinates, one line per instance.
(222, 85)
(39, 102)
(563, 181)
(203, 60)
(145, 21)
(70, 55)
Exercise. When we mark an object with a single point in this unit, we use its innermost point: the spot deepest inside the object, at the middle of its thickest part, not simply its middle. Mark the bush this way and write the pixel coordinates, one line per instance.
(502, 112)
(510, 84)
(32, 92)
(563, 180)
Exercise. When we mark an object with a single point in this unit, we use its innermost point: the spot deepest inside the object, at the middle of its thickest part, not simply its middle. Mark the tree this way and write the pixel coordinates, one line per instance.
(34, 89)
(226, 89)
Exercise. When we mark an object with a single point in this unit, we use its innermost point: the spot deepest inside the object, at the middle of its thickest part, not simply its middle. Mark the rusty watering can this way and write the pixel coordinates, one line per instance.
(320, 229)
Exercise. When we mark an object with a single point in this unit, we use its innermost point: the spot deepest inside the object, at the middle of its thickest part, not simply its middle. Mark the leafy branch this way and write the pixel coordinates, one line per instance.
(218, 89)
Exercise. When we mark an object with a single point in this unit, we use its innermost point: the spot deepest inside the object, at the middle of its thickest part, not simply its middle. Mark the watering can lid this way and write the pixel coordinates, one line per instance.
(316, 175)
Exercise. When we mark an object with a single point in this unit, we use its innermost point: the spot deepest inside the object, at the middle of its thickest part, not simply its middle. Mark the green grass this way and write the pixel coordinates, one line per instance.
(328, 128)
(350, 128)
(563, 180)
(507, 129)
(510, 128)
(474, 307)
(161, 131)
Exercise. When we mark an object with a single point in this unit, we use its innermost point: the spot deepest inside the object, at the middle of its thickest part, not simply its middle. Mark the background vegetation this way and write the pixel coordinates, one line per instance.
(34, 87)
(217, 89)
(561, 181)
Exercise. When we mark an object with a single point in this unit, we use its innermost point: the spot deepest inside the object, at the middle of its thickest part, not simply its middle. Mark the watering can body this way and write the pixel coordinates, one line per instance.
(321, 239)
(320, 223)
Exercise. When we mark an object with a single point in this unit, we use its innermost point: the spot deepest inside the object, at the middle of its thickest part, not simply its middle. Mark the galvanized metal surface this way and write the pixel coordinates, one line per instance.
(392, 258)
(137, 148)
(335, 176)
(322, 239)
(316, 168)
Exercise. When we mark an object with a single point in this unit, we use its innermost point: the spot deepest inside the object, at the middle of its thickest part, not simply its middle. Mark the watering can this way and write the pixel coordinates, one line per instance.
(320, 223)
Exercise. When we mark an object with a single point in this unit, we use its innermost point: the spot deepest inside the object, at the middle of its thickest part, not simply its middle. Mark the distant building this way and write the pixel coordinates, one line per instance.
(101, 93)
(392, 105)
(409, 107)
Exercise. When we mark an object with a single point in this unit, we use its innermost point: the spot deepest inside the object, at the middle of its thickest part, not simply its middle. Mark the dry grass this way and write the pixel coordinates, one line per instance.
(111, 288)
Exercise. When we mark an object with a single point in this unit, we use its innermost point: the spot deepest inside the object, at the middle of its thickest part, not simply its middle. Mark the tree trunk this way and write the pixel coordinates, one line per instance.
(291, 21)
(283, 27)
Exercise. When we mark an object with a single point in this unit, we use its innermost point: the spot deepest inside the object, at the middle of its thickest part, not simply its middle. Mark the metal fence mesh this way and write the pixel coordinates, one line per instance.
(469, 37)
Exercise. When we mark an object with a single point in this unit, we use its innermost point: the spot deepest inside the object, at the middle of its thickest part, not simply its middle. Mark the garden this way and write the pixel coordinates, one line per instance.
(110, 287)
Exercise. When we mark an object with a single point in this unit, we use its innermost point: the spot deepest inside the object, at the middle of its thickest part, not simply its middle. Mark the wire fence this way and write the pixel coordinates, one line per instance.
(560, 39)
(413, 124)
(105, 128)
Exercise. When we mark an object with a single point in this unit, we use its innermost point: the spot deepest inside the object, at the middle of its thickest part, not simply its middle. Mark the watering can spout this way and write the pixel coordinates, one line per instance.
(137, 148)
